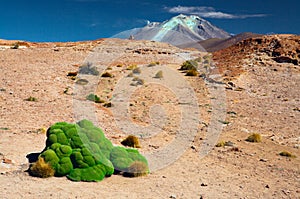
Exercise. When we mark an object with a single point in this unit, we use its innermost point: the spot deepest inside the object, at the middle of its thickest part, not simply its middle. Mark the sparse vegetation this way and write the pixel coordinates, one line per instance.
(107, 74)
(223, 143)
(137, 81)
(130, 75)
(198, 59)
(31, 99)
(82, 82)
(131, 141)
(191, 72)
(223, 122)
(4, 128)
(136, 71)
(94, 98)
(153, 64)
(287, 154)
(41, 169)
(72, 74)
(131, 67)
(189, 65)
(107, 104)
(15, 46)
(220, 144)
(88, 69)
(159, 74)
(207, 57)
(254, 137)
(136, 169)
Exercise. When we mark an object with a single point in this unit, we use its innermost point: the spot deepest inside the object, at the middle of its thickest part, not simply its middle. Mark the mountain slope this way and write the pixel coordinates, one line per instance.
(215, 44)
(179, 30)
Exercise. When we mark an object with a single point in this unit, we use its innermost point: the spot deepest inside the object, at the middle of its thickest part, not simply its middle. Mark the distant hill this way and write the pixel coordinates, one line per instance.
(215, 44)
(178, 31)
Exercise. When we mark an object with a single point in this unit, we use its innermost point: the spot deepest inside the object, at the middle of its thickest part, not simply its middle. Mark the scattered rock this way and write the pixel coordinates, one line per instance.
(285, 59)
(267, 186)
(6, 161)
(263, 160)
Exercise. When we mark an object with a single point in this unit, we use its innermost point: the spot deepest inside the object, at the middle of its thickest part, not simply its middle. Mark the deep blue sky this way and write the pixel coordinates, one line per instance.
(74, 20)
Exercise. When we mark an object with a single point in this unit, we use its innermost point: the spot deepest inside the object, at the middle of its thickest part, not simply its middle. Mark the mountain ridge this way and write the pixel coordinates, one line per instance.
(178, 30)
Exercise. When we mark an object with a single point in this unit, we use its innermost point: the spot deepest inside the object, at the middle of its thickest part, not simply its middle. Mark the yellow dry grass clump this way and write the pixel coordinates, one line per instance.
(137, 169)
(41, 169)
(254, 137)
(287, 154)
(131, 141)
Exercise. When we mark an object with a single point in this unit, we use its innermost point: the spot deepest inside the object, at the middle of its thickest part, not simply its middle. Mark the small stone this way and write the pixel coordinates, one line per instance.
(173, 196)
(203, 185)
(7, 161)
(263, 160)
(267, 186)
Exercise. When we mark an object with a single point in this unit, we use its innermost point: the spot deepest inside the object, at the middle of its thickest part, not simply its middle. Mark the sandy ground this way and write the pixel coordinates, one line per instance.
(267, 102)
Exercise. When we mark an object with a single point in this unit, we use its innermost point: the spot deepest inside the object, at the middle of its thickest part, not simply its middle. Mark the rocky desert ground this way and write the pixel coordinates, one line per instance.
(250, 87)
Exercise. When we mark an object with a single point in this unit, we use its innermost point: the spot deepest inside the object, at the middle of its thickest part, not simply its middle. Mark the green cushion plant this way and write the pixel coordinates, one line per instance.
(82, 153)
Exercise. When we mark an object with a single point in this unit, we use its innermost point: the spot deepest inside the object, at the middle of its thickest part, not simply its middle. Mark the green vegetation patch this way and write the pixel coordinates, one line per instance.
(189, 65)
(82, 153)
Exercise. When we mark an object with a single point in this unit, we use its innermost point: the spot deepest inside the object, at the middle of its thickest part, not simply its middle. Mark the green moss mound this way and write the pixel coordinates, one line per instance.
(122, 158)
(82, 152)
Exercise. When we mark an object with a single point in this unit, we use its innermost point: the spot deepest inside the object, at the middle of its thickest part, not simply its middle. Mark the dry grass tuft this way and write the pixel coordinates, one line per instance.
(131, 141)
(137, 169)
(255, 137)
(41, 169)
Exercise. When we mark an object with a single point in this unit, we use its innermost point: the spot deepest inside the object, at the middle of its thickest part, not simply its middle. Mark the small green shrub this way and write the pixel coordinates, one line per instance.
(287, 154)
(255, 137)
(131, 141)
(159, 74)
(31, 99)
(191, 73)
(94, 98)
(88, 69)
(189, 65)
